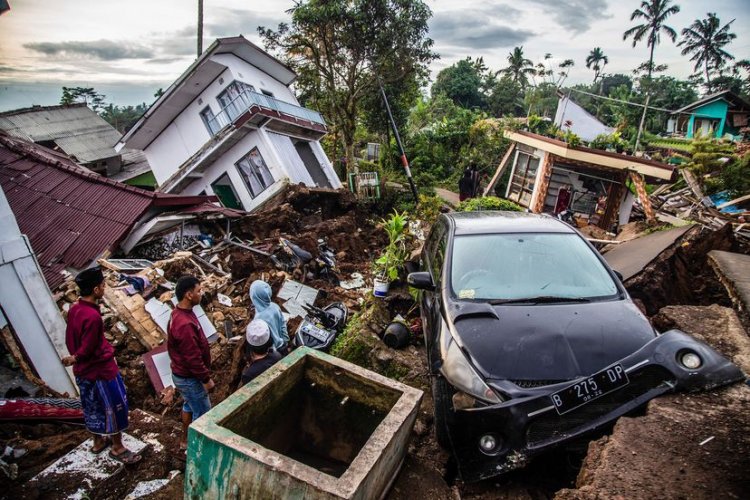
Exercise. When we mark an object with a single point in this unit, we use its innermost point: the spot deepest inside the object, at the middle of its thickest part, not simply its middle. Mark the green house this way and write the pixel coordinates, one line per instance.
(717, 115)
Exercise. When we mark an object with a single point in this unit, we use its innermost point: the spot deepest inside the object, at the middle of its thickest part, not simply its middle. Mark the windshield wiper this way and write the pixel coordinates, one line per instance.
(543, 299)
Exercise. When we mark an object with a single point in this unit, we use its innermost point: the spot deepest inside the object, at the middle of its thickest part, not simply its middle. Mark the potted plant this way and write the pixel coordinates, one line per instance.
(390, 262)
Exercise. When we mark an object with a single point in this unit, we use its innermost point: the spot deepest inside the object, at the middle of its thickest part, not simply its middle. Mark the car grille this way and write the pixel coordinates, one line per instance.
(551, 425)
(530, 384)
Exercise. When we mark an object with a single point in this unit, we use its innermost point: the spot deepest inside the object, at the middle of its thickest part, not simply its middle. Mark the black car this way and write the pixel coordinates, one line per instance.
(533, 341)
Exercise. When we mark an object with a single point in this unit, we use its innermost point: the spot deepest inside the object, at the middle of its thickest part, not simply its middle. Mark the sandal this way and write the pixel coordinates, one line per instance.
(127, 457)
(105, 445)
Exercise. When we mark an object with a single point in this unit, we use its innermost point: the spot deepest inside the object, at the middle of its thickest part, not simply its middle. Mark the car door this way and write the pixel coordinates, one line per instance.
(430, 303)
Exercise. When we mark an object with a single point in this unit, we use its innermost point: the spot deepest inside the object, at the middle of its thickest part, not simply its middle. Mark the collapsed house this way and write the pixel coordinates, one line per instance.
(572, 116)
(550, 176)
(82, 135)
(69, 217)
(717, 115)
(230, 126)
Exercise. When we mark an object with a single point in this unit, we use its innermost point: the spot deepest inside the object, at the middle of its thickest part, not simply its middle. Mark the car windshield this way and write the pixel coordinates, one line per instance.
(517, 266)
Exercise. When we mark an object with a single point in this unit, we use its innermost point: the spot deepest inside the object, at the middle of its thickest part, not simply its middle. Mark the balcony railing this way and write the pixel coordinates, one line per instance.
(248, 98)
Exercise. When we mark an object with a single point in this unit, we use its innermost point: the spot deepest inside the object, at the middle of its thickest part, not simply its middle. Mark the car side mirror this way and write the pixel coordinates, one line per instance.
(421, 280)
(619, 275)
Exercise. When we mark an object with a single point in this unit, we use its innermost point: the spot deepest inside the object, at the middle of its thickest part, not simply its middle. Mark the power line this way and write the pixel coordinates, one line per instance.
(628, 102)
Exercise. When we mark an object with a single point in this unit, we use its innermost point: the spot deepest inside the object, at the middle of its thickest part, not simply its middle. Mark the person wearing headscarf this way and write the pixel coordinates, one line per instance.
(260, 295)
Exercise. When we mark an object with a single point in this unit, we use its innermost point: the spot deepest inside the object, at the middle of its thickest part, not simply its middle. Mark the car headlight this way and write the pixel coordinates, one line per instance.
(458, 372)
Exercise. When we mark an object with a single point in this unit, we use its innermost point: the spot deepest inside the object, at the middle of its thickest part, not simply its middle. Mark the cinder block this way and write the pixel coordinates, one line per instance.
(312, 426)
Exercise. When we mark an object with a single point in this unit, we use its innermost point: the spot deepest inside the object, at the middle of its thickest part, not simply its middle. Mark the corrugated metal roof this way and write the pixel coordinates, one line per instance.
(70, 214)
(76, 129)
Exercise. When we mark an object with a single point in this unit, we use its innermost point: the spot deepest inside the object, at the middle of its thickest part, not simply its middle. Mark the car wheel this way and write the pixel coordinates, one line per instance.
(441, 397)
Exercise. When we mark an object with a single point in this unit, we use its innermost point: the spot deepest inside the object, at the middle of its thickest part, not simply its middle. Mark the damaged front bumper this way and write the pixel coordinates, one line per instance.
(529, 423)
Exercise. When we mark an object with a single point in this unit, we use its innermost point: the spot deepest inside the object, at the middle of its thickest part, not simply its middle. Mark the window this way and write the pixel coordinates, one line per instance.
(255, 172)
(523, 265)
(209, 120)
(522, 181)
(267, 92)
(234, 100)
(224, 189)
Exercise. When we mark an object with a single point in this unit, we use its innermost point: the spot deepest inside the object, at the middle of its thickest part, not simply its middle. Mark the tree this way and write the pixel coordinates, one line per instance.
(88, 95)
(610, 82)
(597, 60)
(655, 14)
(519, 68)
(340, 47)
(462, 83)
(505, 97)
(705, 39)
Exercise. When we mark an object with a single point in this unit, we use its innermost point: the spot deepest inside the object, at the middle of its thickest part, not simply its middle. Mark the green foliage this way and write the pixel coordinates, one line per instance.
(488, 203)
(88, 95)
(339, 48)
(349, 345)
(461, 83)
(613, 141)
(568, 136)
(707, 156)
(390, 262)
(123, 117)
(734, 177)
(429, 208)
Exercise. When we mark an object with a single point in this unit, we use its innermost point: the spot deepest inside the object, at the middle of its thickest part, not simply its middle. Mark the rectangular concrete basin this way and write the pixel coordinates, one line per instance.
(312, 426)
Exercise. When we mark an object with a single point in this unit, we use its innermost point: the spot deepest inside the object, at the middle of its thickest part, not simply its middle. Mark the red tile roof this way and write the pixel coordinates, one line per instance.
(70, 214)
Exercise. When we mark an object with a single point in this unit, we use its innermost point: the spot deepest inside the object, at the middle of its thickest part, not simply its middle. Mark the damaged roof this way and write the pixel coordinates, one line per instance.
(70, 214)
(76, 129)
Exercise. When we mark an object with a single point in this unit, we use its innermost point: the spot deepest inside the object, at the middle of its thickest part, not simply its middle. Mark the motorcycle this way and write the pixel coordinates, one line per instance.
(320, 327)
(291, 256)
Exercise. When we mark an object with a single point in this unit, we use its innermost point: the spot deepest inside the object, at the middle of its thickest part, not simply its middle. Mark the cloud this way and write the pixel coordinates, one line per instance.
(232, 22)
(473, 30)
(575, 15)
(105, 50)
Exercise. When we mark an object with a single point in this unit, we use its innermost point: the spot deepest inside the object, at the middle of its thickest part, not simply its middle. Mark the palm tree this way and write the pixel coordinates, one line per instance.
(655, 14)
(598, 60)
(704, 39)
(519, 67)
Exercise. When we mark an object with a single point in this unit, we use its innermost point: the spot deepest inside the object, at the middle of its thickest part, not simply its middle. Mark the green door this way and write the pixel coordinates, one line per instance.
(225, 191)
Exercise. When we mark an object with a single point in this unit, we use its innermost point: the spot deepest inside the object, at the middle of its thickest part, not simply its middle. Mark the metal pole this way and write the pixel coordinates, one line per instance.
(200, 27)
(404, 159)
(643, 120)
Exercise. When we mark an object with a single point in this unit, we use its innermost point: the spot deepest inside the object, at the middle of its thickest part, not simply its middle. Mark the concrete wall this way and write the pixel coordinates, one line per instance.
(227, 163)
(29, 307)
(187, 134)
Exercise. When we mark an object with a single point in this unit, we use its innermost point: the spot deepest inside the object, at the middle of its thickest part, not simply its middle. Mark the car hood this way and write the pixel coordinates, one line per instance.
(551, 342)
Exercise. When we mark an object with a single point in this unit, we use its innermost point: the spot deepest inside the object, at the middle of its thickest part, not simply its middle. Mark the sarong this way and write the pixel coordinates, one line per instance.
(105, 405)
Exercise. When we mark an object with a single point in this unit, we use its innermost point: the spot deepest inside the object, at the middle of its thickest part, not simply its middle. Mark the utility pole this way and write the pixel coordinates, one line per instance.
(200, 27)
(404, 159)
(643, 120)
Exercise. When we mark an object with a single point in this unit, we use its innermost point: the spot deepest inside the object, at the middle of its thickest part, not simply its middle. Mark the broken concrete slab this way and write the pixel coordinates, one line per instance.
(312, 426)
(147, 488)
(733, 270)
(687, 445)
(76, 474)
(631, 257)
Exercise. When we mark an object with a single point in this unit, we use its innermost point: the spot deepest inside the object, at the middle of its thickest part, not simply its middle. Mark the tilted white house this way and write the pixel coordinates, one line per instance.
(231, 126)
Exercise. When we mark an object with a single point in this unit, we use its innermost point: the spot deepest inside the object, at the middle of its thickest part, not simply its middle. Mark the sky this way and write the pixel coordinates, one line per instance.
(128, 50)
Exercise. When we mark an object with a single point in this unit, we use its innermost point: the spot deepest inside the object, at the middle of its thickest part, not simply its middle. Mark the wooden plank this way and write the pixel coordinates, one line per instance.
(734, 202)
(500, 169)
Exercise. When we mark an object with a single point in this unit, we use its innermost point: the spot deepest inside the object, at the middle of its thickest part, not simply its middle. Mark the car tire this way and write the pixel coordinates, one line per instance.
(443, 409)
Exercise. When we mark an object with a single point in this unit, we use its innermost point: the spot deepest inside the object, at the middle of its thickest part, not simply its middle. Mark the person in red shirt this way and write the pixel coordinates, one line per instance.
(189, 354)
(103, 396)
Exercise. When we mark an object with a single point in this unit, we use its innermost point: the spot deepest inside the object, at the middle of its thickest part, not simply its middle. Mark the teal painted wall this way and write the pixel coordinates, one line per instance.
(716, 110)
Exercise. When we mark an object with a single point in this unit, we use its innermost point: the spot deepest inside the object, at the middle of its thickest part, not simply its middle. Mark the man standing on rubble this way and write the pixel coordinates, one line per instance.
(103, 397)
(189, 354)
(260, 295)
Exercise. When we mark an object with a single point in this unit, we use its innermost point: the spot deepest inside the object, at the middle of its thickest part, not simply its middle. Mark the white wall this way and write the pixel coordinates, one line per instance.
(585, 126)
(227, 164)
(29, 306)
(245, 72)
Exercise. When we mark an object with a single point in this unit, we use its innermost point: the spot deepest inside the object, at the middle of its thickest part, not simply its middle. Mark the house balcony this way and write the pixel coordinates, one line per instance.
(247, 112)
(263, 110)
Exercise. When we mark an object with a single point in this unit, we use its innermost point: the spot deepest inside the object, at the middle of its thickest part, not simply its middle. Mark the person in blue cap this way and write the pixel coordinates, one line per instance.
(260, 295)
